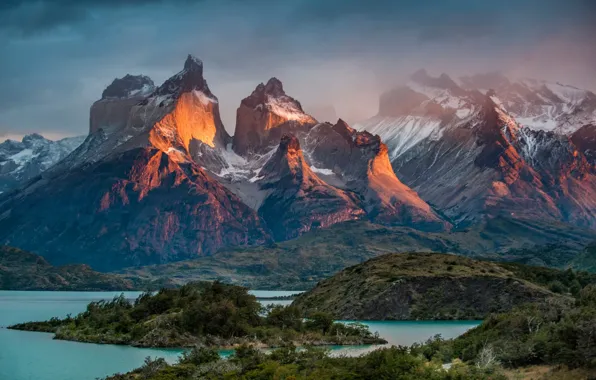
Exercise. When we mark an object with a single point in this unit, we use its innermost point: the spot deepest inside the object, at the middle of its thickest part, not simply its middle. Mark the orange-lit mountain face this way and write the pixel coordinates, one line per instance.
(473, 153)
(265, 116)
(297, 199)
(137, 207)
(155, 180)
(360, 160)
(132, 193)
(159, 179)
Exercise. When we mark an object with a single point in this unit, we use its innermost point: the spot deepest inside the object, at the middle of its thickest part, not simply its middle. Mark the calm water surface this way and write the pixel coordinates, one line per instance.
(36, 356)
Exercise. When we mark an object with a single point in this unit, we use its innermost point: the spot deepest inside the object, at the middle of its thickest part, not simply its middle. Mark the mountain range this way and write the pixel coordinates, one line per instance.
(159, 179)
(21, 161)
(486, 146)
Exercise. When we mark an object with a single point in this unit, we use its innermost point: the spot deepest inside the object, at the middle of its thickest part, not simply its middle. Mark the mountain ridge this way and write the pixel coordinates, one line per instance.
(465, 152)
(159, 179)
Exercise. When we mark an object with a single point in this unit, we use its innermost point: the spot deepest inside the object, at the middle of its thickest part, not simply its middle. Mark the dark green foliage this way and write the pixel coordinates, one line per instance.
(546, 333)
(284, 317)
(319, 321)
(289, 362)
(558, 281)
(199, 355)
(211, 314)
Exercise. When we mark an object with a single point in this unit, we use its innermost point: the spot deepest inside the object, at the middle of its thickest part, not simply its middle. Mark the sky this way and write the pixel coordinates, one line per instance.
(57, 56)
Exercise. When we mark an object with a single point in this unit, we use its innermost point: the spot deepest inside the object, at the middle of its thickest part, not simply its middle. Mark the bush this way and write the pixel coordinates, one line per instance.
(319, 321)
(199, 355)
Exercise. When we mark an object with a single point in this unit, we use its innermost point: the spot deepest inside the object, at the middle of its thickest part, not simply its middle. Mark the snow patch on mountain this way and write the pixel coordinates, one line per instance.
(286, 109)
(203, 98)
(402, 133)
(23, 160)
(321, 170)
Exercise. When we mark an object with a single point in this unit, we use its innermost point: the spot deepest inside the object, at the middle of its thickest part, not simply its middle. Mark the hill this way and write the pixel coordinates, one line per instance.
(21, 270)
(426, 286)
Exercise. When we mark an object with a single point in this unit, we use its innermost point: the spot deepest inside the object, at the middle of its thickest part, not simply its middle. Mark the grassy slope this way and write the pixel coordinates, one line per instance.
(436, 286)
(300, 263)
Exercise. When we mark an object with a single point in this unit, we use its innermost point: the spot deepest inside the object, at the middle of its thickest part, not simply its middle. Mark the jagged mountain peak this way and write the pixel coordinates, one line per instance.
(297, 199)
(265, 115)
(33, 137)
(343, 129)
(189, 79)
(176, 118)
(21, 161)
(129, 85)
(267, 93)
(193, 63)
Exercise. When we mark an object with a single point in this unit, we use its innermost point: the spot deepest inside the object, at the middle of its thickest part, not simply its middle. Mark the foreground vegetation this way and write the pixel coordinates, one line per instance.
(395, 363)
(545, 333)
(208, 314)
(548, 340)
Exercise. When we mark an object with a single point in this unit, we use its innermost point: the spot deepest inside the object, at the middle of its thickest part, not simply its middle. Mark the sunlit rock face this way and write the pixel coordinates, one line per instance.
(362, 162)
(138, 207)
(265, 116)
(176, 117)
(472, 158)
(193, 111)
(133, 193)
(297, 199)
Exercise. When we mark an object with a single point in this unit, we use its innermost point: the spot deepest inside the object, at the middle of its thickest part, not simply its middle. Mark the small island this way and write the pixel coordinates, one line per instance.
(546, 340)
(201, 314)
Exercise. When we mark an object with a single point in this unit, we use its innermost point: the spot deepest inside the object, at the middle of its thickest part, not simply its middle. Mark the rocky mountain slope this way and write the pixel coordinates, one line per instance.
(472, 154)
(538, 104)
(426, 286)
(297, 198)
(21, 161)
(158, 178)
(302, 262)
(132, 194)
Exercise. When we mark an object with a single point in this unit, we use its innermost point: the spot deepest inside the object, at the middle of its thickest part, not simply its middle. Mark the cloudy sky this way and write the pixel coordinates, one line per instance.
(58, 55)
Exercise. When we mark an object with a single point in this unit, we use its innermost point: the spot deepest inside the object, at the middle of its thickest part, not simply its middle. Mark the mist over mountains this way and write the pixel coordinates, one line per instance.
(159, 178)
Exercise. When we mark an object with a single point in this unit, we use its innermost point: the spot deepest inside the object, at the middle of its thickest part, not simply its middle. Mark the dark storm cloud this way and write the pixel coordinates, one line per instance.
(33, 16)
(57, 56)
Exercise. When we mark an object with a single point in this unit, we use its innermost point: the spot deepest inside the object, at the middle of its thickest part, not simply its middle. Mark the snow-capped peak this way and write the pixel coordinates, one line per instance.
(21, 161)
(272, 97)
(129, 86)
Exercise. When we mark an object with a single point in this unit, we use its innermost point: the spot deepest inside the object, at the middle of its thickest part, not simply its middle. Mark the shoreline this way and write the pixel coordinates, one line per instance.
(202, 341)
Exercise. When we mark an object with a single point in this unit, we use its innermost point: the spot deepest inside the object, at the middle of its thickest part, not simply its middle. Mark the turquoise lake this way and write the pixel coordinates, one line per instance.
(36, 356)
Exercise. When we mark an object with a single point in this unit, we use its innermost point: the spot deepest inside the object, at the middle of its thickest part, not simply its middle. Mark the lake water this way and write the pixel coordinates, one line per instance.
(36, 356)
